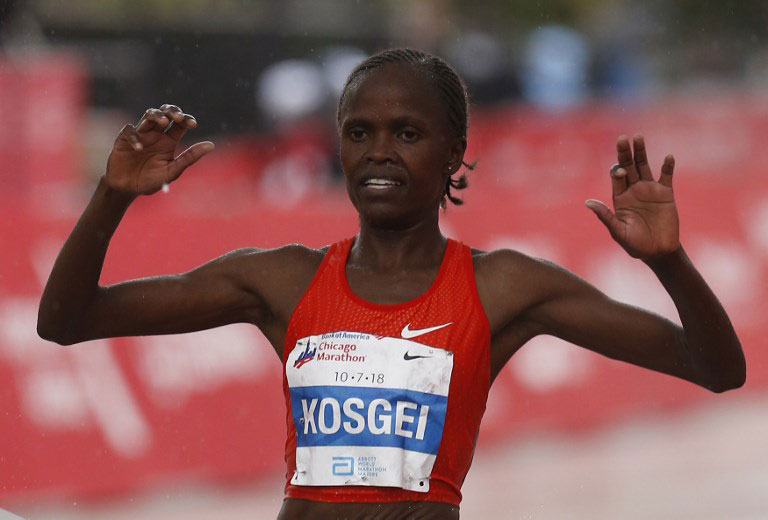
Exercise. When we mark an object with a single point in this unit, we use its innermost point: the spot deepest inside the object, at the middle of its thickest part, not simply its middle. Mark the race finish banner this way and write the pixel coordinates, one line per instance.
(117, 415)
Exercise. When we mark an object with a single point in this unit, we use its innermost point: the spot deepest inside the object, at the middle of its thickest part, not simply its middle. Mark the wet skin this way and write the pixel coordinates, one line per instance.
(396, 150)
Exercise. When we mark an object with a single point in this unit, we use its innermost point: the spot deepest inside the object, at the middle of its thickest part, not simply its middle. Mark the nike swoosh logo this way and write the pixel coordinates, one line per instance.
(409, 357)
(409, 333)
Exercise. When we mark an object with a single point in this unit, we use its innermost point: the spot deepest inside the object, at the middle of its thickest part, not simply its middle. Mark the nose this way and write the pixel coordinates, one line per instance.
(380, 149)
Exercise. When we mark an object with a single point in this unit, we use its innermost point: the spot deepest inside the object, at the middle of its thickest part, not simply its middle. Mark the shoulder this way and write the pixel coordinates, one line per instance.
(504, 266)
(510, 282)
(263, 267)
(288, 252)
(501, 263)
(276, 277)
(291, 260)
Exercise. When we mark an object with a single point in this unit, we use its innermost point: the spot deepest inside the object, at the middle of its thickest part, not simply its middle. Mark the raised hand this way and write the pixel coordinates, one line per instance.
(143, 157)
(644, 221)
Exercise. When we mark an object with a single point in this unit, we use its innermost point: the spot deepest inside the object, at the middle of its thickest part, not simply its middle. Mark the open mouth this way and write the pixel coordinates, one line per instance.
(381, 183)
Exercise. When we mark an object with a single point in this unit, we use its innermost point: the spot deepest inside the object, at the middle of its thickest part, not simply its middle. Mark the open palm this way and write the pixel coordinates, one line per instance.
(644, 221)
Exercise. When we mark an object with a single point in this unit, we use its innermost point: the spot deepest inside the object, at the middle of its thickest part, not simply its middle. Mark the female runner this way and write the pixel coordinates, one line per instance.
(390, 340)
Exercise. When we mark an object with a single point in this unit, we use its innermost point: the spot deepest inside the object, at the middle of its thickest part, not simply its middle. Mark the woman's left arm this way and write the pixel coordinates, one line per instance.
(645, 224)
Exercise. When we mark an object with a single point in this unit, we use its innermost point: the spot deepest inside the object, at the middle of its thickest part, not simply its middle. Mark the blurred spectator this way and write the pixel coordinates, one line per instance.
(556, 61)
(337, 62)
(622, 66)
(290, 90)
(480, 59)
(757, 68)
(20, 31)
(623, 71)
(421, 24)
(292, 93)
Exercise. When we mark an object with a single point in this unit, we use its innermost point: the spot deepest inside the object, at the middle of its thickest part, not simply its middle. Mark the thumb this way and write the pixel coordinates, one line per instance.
(187, 158)
(603, 213)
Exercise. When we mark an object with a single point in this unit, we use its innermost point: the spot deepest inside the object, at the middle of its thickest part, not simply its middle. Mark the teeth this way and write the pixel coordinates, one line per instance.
(381, 182)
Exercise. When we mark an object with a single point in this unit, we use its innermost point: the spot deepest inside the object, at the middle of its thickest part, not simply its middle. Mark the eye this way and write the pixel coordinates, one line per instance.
(356, 134)
(409, 135)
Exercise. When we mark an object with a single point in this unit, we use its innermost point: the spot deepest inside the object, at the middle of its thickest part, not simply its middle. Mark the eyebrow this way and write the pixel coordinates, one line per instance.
(405, 120)
(409, 121)
(357, 121)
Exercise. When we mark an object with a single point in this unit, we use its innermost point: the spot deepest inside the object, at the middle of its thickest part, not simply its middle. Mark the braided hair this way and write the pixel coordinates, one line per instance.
(453, 94)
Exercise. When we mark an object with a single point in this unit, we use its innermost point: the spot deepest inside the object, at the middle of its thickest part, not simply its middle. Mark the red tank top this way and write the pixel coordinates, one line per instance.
(384, 401)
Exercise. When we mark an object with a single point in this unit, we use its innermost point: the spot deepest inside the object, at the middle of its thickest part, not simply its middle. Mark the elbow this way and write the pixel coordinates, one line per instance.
(60, 324)
(50, 330)
(46, 330)
(49, 334)
(724, 386)
(735, 379)
(732, 384)
(48, 327)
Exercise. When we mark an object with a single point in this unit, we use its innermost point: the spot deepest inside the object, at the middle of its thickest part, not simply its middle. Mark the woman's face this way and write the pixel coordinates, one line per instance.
(396, 146)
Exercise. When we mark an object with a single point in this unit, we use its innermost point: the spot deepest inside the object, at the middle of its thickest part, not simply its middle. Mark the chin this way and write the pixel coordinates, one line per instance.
(385, 220)
(393, 214)
(386, 217)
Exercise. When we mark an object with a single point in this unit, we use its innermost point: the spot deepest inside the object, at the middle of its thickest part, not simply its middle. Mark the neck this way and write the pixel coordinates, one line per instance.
(421, 245)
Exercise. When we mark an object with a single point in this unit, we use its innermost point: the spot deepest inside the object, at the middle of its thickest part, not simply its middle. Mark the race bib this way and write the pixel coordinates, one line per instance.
(368, 410)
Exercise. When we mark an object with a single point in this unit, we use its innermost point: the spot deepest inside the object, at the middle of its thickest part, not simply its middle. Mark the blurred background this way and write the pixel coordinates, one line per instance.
(192, 426)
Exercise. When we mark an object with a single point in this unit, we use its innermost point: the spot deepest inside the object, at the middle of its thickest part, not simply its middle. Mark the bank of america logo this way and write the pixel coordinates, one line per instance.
(306, 356)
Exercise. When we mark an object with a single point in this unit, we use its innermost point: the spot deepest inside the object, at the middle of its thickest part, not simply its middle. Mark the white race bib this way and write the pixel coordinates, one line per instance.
(368, 410)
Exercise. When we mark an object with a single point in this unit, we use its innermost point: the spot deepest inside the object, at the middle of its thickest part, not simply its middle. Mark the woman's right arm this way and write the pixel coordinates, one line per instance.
(75, 308)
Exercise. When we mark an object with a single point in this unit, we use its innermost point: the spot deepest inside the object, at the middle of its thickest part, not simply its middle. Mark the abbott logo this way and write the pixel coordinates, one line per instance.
(343, 466)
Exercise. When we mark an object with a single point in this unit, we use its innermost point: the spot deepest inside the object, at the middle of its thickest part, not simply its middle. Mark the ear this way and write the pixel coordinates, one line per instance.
(456, 154)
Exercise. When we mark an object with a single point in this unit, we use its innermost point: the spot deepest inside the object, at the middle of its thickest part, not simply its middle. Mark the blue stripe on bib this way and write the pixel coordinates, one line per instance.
(364, 416)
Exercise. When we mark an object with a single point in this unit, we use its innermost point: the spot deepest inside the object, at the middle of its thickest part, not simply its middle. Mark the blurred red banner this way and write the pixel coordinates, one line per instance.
(41, 109)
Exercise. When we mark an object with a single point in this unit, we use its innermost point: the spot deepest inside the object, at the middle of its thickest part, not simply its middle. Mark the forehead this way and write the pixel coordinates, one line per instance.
(394, 90)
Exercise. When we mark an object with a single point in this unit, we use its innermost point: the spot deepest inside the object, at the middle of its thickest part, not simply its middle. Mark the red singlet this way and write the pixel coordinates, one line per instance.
(384, 401)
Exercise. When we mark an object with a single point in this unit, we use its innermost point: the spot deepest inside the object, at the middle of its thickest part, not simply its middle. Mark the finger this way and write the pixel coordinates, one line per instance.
(144, 116)
(177, 116)
(179, 121)
(172, 112)
(624, 154)
(153, 119)
(618, 180)
(187, 158)
(177, 129)
(666, 171)
(641, 159)
(128, 133)
(605, 215)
